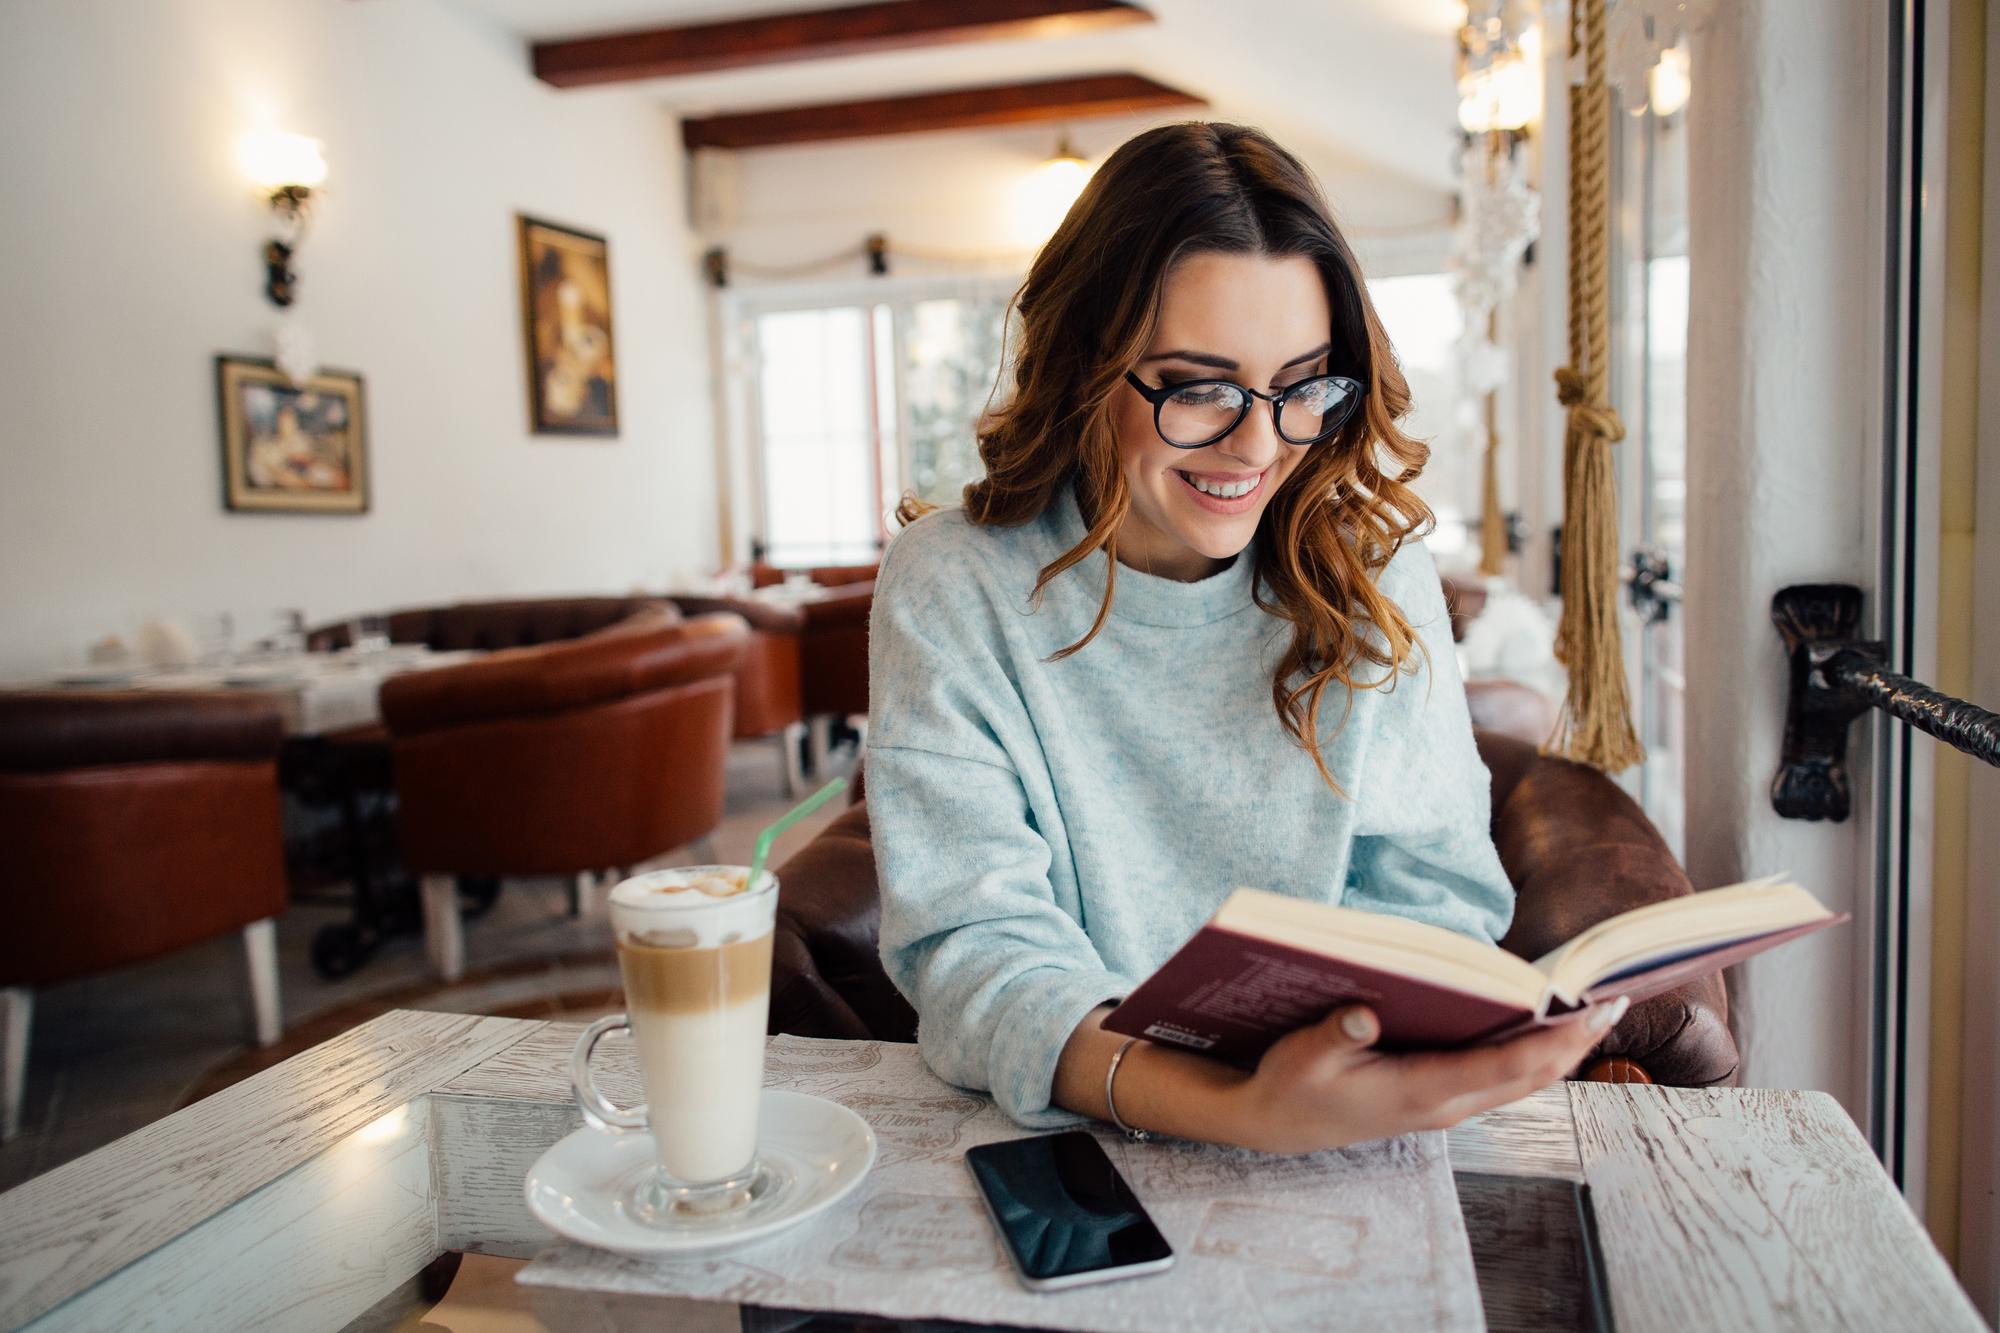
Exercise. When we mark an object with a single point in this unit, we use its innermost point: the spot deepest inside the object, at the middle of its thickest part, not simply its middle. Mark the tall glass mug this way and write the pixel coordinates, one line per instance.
(694, 948)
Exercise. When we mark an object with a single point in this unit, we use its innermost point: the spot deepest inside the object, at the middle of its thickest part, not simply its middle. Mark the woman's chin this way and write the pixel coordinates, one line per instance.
(1219, 538)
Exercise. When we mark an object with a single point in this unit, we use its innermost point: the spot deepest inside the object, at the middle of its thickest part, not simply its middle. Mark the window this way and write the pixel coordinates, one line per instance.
(1424, 322)
(857, 403)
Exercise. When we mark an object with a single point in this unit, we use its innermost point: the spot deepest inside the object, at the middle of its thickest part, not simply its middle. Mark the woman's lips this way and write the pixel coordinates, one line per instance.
(1215, 504)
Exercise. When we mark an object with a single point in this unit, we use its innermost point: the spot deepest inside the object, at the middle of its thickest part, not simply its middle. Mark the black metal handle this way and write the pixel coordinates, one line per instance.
(1649, 580)
(1836, 677)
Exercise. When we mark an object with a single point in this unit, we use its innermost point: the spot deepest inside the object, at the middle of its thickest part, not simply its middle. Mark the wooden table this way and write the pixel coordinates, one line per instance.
(300, 1197)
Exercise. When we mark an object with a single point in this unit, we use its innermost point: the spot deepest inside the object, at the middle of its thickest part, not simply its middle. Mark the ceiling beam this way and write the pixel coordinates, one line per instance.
(884, 25)
(958, 108)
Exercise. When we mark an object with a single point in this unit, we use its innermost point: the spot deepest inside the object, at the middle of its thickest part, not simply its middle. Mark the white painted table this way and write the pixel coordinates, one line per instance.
(315, 693)
(301, 1197)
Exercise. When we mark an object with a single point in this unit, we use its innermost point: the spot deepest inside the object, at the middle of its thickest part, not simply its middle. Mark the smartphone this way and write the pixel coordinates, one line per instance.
(1067, 1216)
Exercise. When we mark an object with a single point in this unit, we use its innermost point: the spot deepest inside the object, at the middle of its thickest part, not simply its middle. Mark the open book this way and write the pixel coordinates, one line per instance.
(1266, 964)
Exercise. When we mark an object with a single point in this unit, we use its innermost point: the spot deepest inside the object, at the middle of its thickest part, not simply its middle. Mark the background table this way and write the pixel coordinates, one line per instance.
(315, 693)
(303, 1196)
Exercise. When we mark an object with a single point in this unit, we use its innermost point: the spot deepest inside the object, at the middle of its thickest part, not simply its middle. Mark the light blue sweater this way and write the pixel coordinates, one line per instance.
(1048, 833)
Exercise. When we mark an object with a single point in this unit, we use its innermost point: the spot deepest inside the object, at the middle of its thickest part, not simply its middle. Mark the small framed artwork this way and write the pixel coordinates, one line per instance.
(566, 298)
(291, 448)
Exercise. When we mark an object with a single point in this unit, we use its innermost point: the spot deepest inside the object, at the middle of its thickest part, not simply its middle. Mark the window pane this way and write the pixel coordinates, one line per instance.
(952, 350)
(1424, 322)
(815, 410)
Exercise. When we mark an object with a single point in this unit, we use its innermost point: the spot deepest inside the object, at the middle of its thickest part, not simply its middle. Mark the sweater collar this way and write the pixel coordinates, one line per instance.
(1148, 599)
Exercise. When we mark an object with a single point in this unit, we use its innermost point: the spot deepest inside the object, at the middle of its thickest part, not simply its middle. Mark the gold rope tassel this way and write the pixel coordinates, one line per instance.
(1596, 724)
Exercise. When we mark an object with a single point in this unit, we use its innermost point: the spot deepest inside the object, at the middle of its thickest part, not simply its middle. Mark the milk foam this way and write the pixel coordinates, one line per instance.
(662, 909)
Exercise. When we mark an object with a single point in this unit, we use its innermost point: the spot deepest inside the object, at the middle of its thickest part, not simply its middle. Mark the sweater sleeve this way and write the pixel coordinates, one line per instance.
(1423, 845)
(999, 972)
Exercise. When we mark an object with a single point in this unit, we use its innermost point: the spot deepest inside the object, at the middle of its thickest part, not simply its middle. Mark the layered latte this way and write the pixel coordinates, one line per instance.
(694, 948)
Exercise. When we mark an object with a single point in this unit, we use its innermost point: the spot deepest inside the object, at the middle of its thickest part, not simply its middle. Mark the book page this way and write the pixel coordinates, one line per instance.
(1678, 926)
(1369, 1237)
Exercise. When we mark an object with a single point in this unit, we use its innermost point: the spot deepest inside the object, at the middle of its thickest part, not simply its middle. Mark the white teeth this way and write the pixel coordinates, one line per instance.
(1222, 490)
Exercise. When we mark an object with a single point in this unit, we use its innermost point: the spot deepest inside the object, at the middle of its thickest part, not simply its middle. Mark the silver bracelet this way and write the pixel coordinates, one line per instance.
(1136, 1135)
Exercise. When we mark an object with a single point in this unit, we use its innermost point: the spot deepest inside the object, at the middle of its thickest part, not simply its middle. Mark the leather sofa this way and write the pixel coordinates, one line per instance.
(561, 759)
(1574, 844)
(131, 826)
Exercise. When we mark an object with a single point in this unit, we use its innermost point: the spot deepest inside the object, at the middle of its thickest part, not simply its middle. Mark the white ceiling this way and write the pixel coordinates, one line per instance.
(1345, 83)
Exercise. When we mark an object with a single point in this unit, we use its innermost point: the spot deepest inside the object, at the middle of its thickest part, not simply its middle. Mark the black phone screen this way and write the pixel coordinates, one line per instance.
(1063, 1208)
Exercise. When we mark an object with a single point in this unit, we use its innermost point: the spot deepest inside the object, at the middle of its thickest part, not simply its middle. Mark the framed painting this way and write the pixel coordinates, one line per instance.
(566, 299)
(289, 447)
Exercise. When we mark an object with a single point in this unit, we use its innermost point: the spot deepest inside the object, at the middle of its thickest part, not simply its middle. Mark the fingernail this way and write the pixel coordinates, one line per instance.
(1355, 1024)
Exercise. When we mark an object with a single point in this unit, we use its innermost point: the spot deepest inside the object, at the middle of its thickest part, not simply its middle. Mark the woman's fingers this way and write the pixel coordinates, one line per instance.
(1444, 1087)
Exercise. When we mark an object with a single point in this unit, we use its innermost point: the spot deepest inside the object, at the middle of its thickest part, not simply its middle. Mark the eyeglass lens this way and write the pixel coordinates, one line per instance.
(1203, 411)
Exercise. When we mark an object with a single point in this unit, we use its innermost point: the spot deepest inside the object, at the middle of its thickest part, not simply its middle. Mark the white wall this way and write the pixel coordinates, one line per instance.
(129, 257)
(1786, 167)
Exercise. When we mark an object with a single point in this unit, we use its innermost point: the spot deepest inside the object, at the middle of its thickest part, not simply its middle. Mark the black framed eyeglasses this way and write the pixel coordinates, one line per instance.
(1193, 413)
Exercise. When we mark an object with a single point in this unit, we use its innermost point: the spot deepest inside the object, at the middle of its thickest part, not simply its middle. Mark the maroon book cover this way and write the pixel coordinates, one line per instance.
(1230, 995)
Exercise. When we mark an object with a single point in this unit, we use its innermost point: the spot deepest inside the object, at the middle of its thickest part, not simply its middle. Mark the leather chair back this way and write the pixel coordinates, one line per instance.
(598, 752)
(833, 652)
(491, 626)
(1575, 846)
(132, 826)
(768, 697)
(827, 576)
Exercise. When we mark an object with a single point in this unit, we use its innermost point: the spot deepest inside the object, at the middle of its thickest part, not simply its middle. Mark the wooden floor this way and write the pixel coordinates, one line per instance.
(114, 1052)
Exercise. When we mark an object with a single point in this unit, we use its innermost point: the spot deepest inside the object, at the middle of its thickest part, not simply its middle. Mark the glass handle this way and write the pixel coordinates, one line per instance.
(596, 1109)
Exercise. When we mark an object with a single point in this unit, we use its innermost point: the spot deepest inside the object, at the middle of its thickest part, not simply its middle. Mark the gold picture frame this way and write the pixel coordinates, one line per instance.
(566, 309)
(288, 447)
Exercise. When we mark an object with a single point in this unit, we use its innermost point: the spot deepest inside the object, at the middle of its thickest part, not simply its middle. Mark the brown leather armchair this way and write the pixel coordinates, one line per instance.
(769, 701)
(833, 662)
(133, 825)
(1576, 847)
(561, 759)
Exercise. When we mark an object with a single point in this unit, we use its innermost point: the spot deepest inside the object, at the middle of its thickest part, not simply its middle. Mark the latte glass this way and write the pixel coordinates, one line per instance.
(694, 949)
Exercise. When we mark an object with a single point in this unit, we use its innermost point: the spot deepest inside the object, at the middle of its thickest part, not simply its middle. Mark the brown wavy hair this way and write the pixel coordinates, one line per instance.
(1087, 314)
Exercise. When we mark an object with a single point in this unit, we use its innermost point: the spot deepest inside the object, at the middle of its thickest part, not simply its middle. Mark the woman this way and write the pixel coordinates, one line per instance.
(1181, 638)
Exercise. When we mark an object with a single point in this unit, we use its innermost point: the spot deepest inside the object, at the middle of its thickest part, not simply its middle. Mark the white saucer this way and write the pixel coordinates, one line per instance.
(581, 1187)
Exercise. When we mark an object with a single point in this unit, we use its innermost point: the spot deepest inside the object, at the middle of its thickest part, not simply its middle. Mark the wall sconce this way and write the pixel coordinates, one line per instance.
(287, 169)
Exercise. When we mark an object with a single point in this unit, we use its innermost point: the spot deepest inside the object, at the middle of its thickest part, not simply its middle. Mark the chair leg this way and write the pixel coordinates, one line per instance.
(444, 932)
(260, 956)
(791, 744)
(16, 1004)
(822, 743)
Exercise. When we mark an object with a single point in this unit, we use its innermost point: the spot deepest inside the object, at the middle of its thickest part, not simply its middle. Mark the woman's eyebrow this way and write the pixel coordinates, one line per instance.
(1224, 363)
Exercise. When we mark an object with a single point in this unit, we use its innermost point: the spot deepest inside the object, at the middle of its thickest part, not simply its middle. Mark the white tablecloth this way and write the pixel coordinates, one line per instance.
(315, 692)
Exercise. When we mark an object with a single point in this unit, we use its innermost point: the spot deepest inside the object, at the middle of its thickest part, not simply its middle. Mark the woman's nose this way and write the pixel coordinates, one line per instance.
(1255, 443)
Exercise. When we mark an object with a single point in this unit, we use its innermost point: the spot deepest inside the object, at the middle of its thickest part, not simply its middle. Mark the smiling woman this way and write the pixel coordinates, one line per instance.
(1181, 636)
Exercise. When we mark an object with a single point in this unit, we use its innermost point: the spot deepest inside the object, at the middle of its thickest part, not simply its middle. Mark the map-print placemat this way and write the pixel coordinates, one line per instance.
(1368, 1237)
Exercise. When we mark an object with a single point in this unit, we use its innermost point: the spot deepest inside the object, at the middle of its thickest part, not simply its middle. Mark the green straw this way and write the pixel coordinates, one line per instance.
(791, 817)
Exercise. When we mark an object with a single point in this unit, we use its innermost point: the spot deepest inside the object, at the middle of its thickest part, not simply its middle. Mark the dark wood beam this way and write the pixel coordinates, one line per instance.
(884, 25)
(958, 108)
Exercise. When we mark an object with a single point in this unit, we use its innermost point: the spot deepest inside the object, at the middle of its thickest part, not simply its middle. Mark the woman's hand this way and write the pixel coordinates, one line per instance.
(1324, 1087)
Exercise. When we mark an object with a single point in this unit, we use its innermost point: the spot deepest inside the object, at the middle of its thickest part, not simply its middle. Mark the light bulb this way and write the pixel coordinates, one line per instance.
(1670, 81)
(1043, 197)
(276, 161)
